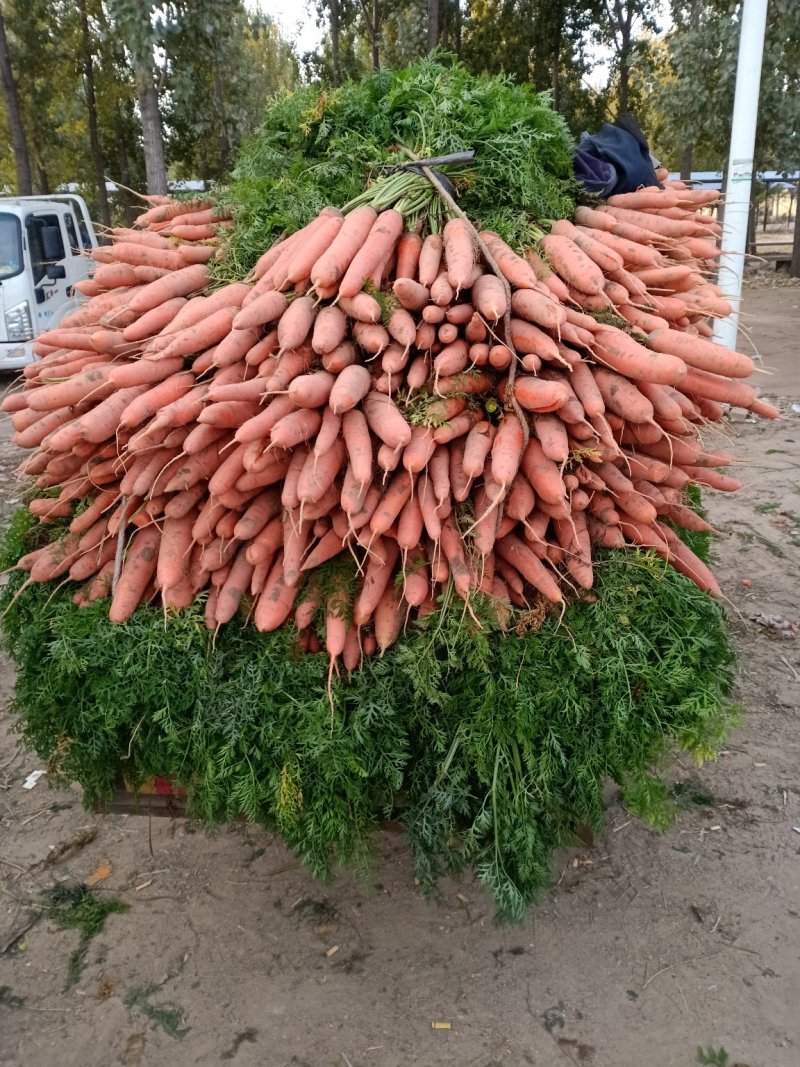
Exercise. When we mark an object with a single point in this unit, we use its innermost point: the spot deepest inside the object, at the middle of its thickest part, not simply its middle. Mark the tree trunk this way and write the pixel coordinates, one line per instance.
(457, 25)
(152, 132)
(96, 151)
(433, 24)
(223, 141)
(375, 34)
(794, 266)
(333, 7)
(556, 71)
(624, 77)
(129, 205)
(686, 162)
(18, 142)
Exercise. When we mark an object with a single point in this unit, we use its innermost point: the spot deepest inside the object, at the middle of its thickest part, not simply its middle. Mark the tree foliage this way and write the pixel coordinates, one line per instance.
(693, 78)
(211, 64)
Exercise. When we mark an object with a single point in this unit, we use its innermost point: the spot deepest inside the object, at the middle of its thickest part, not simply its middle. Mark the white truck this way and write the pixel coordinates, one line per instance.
(45, 248)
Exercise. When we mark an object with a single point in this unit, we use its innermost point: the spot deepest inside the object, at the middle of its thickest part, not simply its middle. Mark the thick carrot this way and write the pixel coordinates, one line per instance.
(606, 259)
(138, 569)
(539, 308)
(335, 261)
(519, 556)
(419, 449)
(489, 297)
(295, 428)
(318, 474)
(469, 382)
(275, 603)
(708, 386)
(430, 259)
(631, 252)
(517, 272)
(529, 340)
(330, 329)
(295, 323)
(359, 445)
(174, 551)
(402, 328)
(477, 446)
(623, 354)
(704, 355)
(572, 264)
(179, 283)
(553, 437)
(392, 502)
(344, 355)
(138, 255)
(538, 394)
(313, 248)
(459, 253)
(385, 420)
(409, 248)
(412, 295)
(543, 474)
(507, 451)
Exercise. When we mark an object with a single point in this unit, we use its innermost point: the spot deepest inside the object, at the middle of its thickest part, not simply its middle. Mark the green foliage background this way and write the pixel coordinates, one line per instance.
(491, 749)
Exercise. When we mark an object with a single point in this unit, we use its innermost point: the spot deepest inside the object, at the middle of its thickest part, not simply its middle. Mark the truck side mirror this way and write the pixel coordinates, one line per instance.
(55, 271)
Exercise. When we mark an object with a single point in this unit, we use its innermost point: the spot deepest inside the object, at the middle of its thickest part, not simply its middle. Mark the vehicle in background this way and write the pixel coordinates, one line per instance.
(45, 246)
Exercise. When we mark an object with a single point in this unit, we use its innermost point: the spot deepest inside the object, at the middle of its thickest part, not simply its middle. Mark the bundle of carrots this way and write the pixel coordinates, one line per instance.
(438, 412)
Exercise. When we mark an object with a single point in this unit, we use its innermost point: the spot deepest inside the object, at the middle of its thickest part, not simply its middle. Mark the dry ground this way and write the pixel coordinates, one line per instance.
(645, 948)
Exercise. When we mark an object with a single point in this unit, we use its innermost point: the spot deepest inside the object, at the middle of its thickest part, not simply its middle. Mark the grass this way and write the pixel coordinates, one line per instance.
(167, 1016)
(78, 908)
(490, 748)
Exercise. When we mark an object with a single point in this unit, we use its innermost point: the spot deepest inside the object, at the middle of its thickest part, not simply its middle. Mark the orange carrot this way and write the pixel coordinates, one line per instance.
(267, 308)
(430, 259)
(459, 253)
(333, 264)
(519, 556)
(625, 355)
(138, 569)
(179, 283)
(408, 252)
(330, 329)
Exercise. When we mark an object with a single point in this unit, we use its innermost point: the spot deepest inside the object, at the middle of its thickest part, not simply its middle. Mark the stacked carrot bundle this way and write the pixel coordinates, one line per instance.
(430, 410)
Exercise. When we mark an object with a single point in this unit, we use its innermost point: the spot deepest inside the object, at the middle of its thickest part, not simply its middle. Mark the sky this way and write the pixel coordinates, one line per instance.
(299, 24)
(295, 19)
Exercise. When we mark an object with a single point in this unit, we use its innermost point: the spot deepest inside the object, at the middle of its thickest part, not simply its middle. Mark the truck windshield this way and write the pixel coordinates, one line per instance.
(10, 246)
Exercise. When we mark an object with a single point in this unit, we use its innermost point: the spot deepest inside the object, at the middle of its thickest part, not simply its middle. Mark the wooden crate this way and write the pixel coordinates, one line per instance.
(156, 796)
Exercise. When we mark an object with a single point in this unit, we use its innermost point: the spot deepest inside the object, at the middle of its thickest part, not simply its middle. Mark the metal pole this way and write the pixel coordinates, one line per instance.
(740, 164)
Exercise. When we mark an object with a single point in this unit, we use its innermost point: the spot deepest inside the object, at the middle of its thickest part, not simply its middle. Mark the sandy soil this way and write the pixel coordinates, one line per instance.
(646, 947)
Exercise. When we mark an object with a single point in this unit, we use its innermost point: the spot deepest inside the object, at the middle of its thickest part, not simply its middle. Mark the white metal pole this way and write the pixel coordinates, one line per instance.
(740, 164)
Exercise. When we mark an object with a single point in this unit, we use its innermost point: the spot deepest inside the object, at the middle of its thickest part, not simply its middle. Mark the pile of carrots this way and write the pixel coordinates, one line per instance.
(383, 397)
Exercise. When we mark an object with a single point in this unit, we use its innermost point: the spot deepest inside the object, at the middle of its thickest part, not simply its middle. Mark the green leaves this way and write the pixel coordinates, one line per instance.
(320, 146)
(489, 747)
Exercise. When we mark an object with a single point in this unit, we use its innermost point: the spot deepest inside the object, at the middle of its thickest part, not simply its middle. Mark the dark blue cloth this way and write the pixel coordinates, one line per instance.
(614, 160)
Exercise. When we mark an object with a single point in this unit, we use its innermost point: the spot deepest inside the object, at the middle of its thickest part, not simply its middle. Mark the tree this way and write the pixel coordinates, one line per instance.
(695, 94)
(17, 131)
(98, 162)
(433, 24)
(224, 65)
(140, 31)
(622, 23)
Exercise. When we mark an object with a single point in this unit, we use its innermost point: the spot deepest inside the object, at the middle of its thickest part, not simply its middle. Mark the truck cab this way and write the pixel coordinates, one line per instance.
(45, 248)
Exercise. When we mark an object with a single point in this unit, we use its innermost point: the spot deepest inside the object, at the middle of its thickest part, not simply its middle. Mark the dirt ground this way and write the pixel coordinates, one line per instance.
(646, 946)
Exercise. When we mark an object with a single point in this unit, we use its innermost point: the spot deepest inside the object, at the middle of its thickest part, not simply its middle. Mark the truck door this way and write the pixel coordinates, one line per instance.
(77, 263)
(47, 252)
